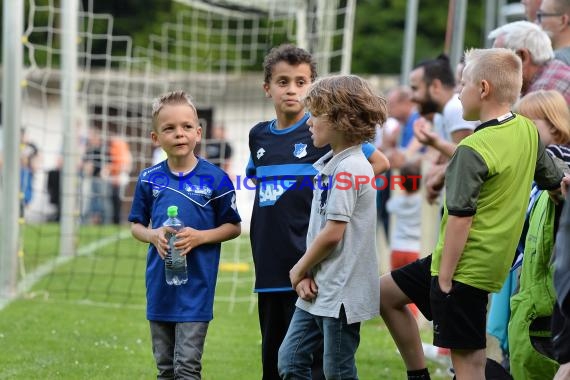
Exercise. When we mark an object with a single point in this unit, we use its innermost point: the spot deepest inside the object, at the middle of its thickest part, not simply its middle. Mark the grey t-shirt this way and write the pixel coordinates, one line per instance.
(349, 275)
(563, 54)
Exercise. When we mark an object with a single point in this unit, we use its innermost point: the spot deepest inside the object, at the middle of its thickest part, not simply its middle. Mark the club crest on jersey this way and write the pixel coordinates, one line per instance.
(300, 150)
(260, 153)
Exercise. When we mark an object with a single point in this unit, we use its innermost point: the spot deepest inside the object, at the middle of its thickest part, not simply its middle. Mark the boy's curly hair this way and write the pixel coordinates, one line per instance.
(350, 105)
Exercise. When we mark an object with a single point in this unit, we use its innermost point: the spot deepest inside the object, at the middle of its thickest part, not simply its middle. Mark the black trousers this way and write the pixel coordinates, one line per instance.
(275, 312)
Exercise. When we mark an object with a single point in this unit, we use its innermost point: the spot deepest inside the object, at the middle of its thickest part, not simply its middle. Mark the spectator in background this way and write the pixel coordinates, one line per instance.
(29, 155)
(92, 166)
(540, 70)
(54, 189)
(158, 154)
(406, 232)
(405, 239)
(219, 150)
(117, 173)
(433, 90)
(530, 9)
(459, 73)
(554, 18)
(402, 108)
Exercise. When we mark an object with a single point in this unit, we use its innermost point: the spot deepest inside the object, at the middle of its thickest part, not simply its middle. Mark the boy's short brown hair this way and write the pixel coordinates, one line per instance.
(501, 68)
(169, 98)
(290, 54)
(350, 104)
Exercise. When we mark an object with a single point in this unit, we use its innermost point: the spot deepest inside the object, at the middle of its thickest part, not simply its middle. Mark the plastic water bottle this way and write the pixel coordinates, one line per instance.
(174, 264)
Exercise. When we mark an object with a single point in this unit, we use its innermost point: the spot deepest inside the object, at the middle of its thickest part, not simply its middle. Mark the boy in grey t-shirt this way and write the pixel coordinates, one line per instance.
(337, 277)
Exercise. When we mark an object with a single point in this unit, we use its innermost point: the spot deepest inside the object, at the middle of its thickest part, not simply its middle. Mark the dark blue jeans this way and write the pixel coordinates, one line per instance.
(306, 332)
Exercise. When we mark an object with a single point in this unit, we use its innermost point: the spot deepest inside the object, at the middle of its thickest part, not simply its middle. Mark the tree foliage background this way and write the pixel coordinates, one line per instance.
(378, 33)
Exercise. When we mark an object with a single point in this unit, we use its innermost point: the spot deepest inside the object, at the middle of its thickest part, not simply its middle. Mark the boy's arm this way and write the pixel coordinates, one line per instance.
(466, 173)
(377, 159)
(379, 162)
(456, 233)
(322, 246)
(189, 238)
(153, 236)
(546, 174)
(250, 171)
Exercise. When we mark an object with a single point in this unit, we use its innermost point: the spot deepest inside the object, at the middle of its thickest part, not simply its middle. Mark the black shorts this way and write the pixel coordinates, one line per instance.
(414, 280)
(459, 317)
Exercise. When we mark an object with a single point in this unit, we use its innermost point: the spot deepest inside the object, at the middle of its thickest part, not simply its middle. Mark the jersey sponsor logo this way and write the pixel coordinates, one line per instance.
(146, 172)
(271, 191)
(198, 190)
(300, 150)
(260, 153)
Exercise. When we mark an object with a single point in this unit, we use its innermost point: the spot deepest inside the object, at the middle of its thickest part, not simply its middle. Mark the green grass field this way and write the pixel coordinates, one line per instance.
(85, 318)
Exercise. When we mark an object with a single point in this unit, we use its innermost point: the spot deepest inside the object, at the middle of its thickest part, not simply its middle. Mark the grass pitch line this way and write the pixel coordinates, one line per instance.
(32, 278)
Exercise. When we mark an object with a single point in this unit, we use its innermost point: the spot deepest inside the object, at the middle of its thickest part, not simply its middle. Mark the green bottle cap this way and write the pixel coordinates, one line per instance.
(172, 211)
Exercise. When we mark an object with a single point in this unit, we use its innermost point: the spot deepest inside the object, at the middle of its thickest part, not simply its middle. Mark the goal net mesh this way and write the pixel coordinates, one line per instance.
(211, 49)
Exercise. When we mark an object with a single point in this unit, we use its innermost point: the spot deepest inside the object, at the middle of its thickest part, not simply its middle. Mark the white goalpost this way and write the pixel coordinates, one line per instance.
(85, 91)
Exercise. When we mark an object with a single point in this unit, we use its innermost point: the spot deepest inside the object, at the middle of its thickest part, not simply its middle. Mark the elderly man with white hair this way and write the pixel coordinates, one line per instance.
(540, 70)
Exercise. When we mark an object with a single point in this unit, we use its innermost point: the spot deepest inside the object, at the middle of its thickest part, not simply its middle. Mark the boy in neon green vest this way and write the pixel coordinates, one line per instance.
(487, 185)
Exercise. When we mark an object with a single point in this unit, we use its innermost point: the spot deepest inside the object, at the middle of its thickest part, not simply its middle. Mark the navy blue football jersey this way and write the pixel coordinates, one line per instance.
(282, 162)
(206, 199)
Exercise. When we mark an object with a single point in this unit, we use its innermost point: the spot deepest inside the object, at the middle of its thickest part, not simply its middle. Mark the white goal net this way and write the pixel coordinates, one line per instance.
(213, 50)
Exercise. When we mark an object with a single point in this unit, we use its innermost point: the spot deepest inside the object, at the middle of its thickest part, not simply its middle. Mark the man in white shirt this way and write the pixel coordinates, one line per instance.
(433, 89)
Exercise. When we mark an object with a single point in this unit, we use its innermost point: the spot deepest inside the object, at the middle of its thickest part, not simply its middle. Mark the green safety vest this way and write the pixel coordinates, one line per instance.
(536, 297)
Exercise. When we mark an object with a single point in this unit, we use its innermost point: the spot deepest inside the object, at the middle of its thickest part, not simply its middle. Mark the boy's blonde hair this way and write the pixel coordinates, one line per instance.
(548, 105)
(350, 105)
(501, 68)
(169, 98)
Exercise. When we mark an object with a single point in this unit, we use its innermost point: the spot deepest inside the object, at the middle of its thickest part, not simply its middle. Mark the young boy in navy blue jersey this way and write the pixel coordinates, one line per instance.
(179, 315)
(282, 157)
